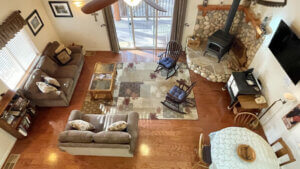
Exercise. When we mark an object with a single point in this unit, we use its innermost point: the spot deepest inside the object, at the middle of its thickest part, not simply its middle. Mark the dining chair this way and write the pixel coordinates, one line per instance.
(246, 119)
(203, 154)
(283, 151)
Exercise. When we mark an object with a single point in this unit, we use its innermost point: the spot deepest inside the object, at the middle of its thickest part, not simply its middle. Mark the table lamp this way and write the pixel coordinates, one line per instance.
(287, 96)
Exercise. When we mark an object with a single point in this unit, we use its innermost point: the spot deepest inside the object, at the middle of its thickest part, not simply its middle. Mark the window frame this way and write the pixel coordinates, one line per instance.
(34, 61)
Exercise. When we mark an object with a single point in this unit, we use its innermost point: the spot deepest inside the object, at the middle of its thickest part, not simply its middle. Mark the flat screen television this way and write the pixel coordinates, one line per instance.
(285, 45)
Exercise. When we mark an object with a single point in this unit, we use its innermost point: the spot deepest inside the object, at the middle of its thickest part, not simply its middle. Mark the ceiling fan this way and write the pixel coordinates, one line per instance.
(96, 5)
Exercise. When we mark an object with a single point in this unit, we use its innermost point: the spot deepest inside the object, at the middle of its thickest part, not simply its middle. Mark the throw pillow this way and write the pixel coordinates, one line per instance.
(81, 125)
(117, 126)
(61, 47)
(45, 88)
(68, 51)
(51, 81)
(63, 57)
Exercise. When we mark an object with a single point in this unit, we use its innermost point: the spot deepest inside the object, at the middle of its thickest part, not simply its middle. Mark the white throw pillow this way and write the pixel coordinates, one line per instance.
(60, 48)
(52, 81)
(45, 88)
(69, 51)
(81, 125)
(117, 126)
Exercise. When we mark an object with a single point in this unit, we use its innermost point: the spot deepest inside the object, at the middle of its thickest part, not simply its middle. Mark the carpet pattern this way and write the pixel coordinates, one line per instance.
(139, 89)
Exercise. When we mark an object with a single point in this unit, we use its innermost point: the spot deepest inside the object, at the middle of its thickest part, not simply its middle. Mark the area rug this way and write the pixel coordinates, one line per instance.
(139, 89)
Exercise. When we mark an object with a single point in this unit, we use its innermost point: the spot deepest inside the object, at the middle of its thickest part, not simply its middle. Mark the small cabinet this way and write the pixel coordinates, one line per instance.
(16, 114)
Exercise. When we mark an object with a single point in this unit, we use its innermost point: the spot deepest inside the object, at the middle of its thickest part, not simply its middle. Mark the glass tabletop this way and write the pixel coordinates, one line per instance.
(104, 68)
(98, 84)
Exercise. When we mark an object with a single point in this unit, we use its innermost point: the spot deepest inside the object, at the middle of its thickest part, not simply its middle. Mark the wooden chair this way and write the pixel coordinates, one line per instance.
(283, 151)
(168, 59)
(246, 119)
(203, 154)
(178, 95)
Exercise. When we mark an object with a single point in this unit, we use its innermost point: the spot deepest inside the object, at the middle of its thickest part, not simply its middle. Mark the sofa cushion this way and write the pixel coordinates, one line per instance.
(33, 78)
(68, 71)
(96, 119)
(66, 85)
(75, 48)
(75, 136)
(81, 125)
(30, 88)
(117, 126)
(77, 59)
(112, 137)
(47, 65)
(50, 49)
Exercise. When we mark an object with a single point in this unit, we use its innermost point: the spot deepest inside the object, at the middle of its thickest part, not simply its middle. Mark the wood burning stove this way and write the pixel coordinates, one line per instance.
(220, 42)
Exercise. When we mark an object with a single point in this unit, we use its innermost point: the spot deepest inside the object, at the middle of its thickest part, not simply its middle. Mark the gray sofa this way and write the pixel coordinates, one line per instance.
(100, 142)
(67, 75)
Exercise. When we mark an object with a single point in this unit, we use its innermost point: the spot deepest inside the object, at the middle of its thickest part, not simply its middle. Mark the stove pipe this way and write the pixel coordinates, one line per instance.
(231, 14)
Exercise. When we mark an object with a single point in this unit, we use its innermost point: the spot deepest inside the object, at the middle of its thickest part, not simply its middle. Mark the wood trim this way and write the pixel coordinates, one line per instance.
(207, 8)
(249, 16)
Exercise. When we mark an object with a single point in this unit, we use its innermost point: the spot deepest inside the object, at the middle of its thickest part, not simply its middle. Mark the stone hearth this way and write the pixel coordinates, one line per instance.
(205, 26)
(208, 67)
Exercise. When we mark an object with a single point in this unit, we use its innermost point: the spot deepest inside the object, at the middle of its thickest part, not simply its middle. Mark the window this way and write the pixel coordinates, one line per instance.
(16, 58)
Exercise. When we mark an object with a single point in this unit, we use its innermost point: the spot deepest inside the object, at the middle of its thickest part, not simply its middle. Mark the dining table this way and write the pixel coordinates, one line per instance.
(224, 144)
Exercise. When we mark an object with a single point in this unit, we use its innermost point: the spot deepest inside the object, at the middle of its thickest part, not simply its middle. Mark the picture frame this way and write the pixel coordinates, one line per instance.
(35, 22)
(292, 118)
(60, 8)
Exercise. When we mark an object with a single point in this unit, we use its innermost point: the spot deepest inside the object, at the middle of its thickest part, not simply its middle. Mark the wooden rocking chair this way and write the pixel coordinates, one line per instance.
(168, 59)
(178, 95)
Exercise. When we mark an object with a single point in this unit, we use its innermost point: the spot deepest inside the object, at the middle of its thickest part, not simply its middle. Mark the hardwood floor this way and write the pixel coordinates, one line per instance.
(162, 144)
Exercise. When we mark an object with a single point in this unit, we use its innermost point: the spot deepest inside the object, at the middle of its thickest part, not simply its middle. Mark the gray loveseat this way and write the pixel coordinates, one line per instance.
(100, 142)
(67, 75)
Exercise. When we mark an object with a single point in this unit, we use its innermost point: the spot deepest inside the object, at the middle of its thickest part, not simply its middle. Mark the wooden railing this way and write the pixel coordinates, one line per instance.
(249, 16)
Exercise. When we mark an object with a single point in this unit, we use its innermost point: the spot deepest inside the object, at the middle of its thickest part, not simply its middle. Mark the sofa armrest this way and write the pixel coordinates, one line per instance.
(75, 48)
(132, 129)
(74, 115)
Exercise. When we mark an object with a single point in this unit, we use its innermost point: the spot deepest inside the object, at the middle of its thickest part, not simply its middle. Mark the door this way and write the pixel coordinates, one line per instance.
(143, 27)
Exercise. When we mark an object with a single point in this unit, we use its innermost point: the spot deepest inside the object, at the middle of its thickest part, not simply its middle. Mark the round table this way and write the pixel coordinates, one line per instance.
(224, 145)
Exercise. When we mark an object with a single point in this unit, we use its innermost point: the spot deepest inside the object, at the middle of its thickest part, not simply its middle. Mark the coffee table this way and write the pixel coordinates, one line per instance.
(103, 81)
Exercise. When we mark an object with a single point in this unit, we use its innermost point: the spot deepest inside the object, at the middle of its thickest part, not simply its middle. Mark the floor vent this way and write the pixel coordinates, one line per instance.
(11, 161)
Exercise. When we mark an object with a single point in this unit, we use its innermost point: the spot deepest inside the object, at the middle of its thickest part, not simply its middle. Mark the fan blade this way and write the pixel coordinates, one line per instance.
(155, 6)
(96, 5)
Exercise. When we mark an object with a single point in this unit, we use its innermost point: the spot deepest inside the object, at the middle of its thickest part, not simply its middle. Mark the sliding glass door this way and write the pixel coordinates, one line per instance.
(143, 27)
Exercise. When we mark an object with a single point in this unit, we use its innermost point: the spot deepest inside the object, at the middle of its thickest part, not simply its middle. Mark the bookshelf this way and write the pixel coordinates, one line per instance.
(16, 114)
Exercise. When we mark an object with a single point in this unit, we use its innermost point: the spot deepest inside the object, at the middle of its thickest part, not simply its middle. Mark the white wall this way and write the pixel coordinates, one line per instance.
(46, 34)
(80, 29)
(276, 82)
